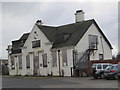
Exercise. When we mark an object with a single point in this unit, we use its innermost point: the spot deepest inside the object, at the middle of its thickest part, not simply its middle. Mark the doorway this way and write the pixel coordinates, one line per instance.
(35, 63)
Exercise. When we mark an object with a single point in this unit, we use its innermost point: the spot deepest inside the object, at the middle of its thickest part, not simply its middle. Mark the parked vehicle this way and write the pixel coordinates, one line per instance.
(118, 70)
(111, 72)
(100, 67)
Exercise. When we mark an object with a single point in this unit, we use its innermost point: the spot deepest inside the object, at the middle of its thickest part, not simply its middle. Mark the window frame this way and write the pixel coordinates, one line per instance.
(101, 55)
(54, 58)
(20, 61)
(36, 44)
(92, 42)
(12, 62)
(64, 57)
(44, 58)
(28, 61)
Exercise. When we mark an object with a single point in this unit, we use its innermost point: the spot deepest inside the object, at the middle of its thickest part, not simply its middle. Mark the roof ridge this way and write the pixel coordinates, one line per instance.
(65, 24)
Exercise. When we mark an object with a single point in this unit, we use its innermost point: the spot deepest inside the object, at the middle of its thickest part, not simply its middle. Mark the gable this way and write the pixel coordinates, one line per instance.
(36, 36)
(17, 44)
(66, 35)
(103, 35)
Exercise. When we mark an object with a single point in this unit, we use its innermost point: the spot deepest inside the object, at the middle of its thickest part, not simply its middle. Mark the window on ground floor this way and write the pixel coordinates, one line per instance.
(27, 61)
(64, 58)
(44, 56)
(12, 62)
(54, 59)
(20, 61)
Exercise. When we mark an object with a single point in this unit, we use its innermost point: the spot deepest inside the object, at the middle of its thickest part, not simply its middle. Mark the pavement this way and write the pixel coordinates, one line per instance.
(31, 77)
(56, 82)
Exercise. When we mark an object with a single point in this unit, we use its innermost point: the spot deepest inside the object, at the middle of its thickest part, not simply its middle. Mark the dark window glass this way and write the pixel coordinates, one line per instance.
(12, 62)
(100, 56)
(20, 61)
(110, 68)
(36, 62)
(104, 66)
(116, 67)
(61, 38)
(35, 44)
(93, 40)
(27, 61)
(99, 67)
(44, 56)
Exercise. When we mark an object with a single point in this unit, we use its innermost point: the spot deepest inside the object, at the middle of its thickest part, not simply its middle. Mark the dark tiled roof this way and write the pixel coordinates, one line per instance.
(48, 31)
(17, 44)
(68, 35)
(61, 36)
(75, 32)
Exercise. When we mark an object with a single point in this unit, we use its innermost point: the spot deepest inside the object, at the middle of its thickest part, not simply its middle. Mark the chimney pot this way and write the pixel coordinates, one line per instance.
(39, 22)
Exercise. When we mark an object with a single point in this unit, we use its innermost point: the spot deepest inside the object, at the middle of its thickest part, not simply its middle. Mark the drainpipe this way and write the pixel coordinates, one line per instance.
(102, 46)
(59, 62)
(16, 65)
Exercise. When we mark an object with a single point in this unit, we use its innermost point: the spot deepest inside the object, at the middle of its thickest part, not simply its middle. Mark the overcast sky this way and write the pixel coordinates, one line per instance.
(20, 17)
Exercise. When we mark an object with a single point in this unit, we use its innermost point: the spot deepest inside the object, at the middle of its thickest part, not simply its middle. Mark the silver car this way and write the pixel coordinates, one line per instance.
(118, 70)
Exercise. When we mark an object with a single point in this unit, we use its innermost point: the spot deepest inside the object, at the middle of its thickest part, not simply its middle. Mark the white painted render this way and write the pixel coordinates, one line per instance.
(79, 16)
(27, 49)
(82, 46)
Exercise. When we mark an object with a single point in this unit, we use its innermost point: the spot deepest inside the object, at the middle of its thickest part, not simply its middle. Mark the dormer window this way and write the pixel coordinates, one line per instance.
(36, 44)
(61, 38)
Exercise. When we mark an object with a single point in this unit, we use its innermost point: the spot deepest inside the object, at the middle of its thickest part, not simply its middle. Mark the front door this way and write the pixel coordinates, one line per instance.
(35, 64)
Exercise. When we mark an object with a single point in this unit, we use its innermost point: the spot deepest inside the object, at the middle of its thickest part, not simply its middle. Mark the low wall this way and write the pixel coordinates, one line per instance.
(88, 70)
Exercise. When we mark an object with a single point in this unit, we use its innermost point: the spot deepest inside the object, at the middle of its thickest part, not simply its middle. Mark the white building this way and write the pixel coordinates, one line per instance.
(49, 50)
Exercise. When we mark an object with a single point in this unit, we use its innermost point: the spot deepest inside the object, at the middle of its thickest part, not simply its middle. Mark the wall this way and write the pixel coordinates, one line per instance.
(83, 44)
(45, 48)
(64, 70)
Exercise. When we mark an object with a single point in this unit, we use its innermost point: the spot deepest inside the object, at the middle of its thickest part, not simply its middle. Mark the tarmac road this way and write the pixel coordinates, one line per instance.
(57, 82)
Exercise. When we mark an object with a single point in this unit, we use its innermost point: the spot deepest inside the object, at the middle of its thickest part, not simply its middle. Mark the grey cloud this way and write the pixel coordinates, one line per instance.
(20, 17)
(20, 9)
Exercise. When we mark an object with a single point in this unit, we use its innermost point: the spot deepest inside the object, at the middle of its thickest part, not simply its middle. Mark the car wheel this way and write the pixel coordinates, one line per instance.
(102, 76)
(115, 77)
(95, 77)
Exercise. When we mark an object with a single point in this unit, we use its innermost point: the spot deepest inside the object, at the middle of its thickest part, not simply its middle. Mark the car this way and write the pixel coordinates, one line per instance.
(100, 67)
(118, 74)
(111, 72)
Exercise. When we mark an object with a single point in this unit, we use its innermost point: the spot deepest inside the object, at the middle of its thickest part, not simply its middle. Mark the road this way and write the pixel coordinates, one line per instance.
(57, 82)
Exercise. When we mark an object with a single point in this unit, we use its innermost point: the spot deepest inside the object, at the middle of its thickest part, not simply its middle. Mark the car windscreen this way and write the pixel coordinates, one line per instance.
(116, 67)
(109, 67)
(104, 66)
